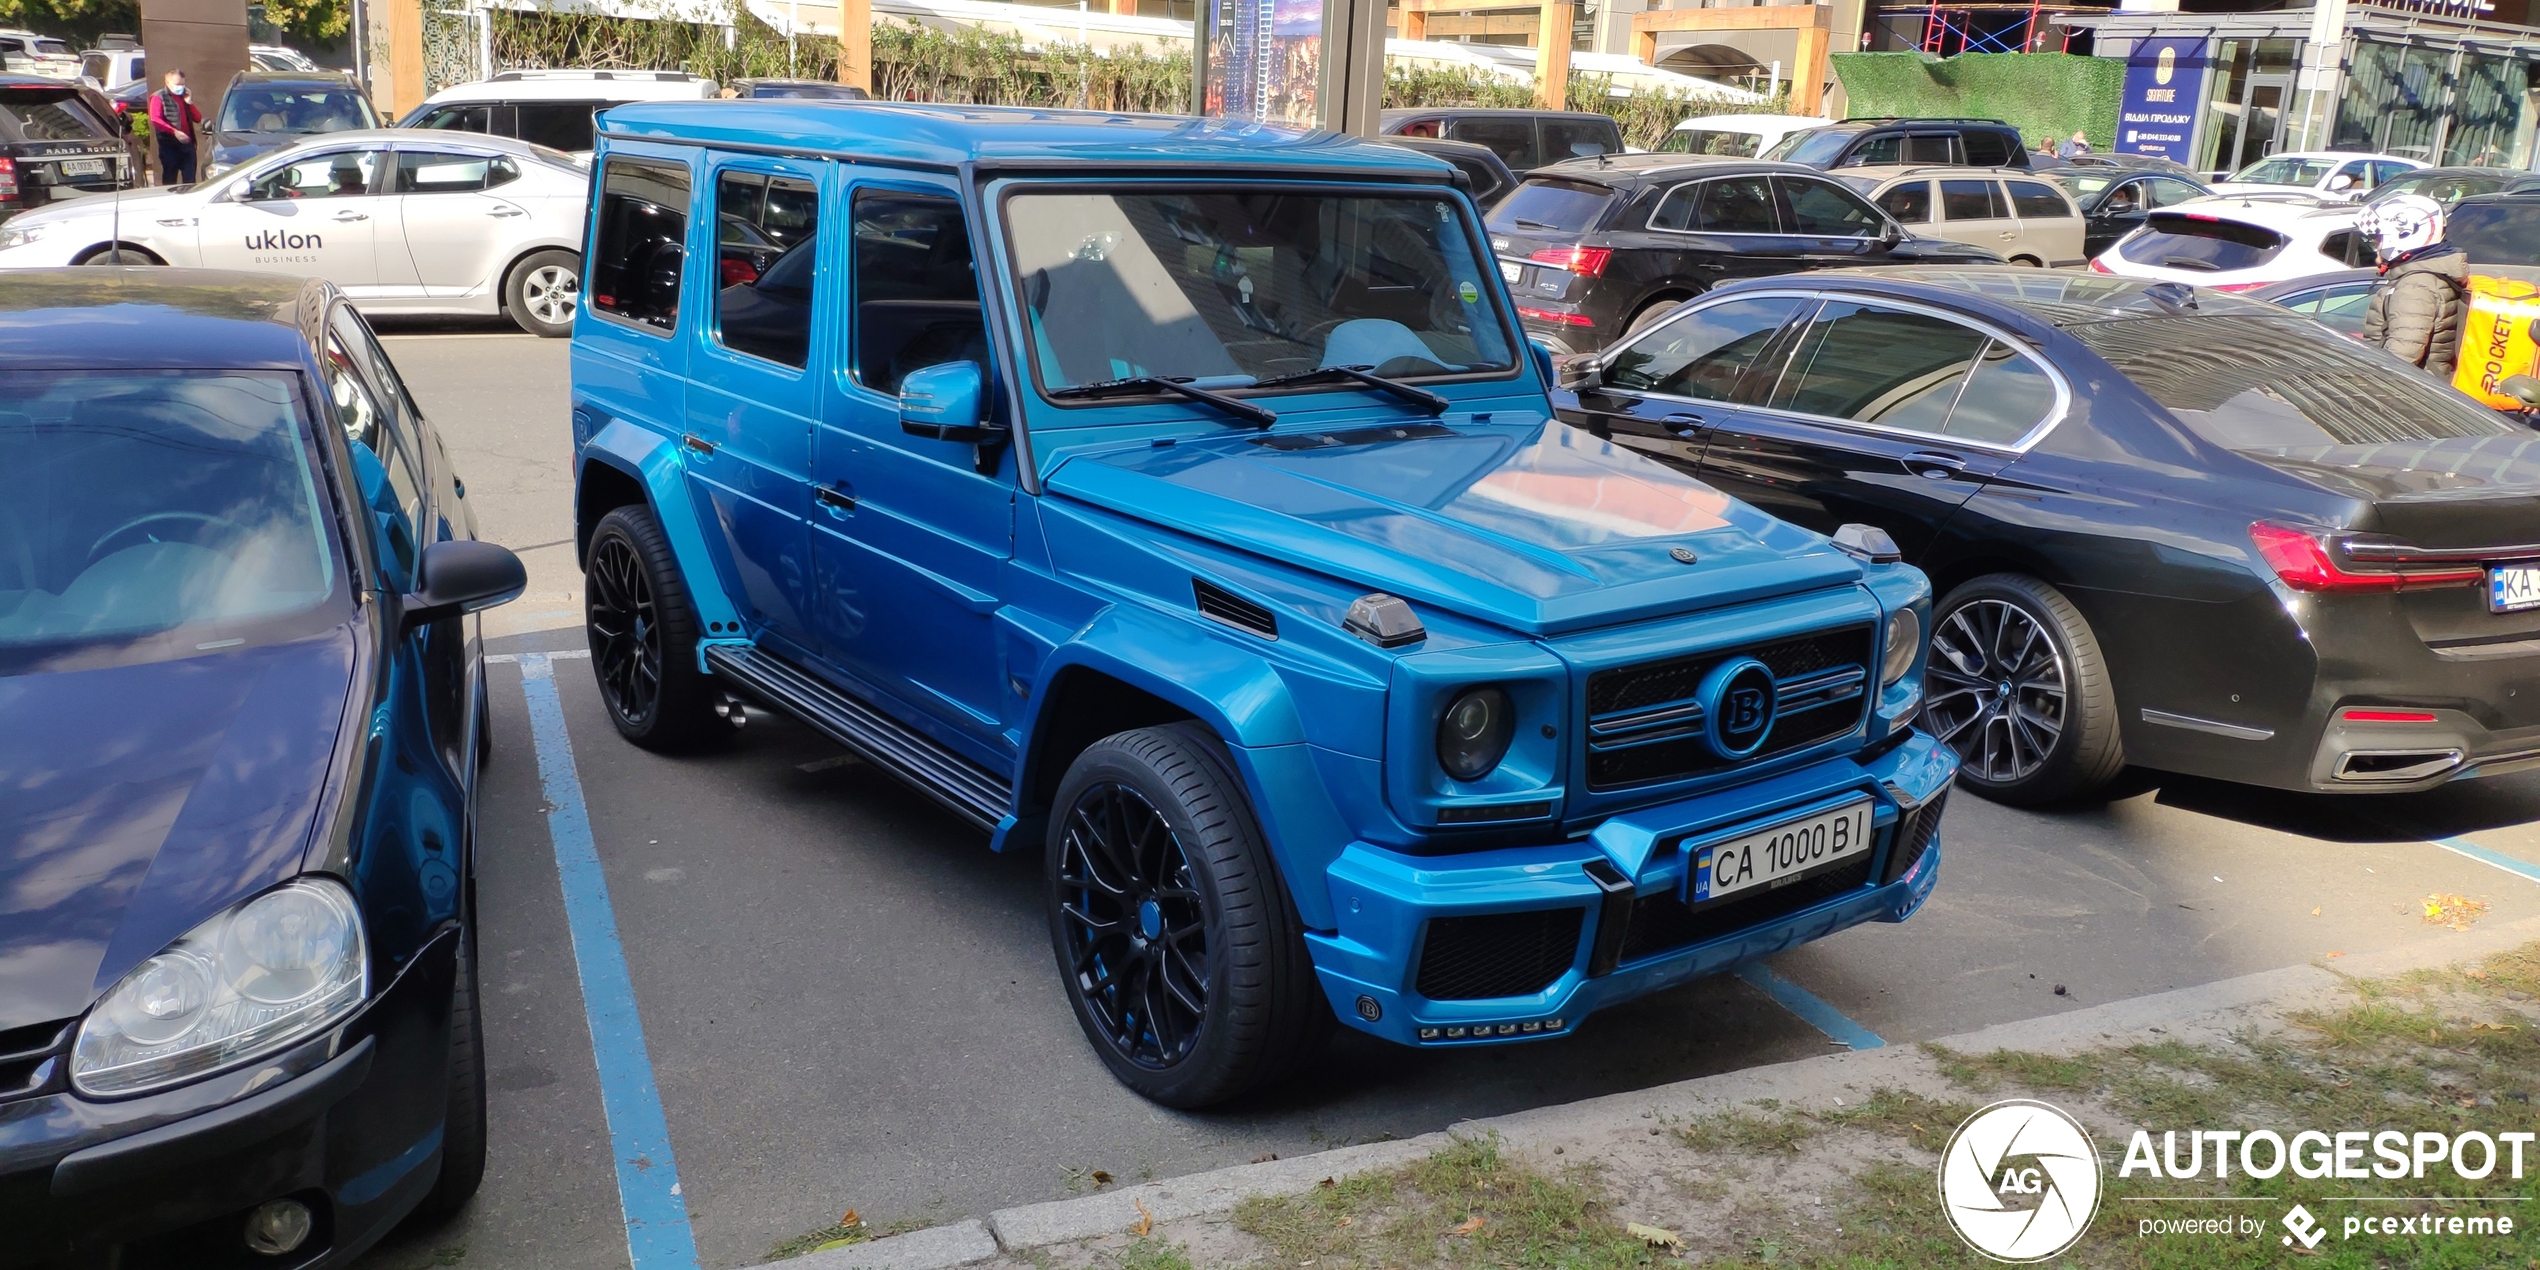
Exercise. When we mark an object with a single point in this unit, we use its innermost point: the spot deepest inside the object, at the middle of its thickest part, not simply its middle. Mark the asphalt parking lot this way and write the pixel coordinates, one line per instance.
(847, 1002)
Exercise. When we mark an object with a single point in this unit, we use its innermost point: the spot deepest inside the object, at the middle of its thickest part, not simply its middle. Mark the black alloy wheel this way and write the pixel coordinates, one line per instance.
(643, 634)
(1136, 930)
(1182, 955)
(2016, 685)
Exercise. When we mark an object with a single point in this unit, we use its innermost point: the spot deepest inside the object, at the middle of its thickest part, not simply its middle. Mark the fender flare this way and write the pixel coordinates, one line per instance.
(656, 465)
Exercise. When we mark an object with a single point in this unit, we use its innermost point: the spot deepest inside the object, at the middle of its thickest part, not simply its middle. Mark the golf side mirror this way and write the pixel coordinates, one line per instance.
(462, 576)
(942, 403)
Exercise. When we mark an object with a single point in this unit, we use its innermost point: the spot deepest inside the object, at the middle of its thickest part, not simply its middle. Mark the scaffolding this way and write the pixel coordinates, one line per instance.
(1948, 29)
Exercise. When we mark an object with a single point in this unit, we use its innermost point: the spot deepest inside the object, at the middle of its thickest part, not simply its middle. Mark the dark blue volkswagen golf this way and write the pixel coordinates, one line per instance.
(241, 717)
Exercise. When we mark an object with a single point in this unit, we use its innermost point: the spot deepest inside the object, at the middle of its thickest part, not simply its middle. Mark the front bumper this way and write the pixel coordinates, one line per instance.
(348, 1123)
(1612, 897)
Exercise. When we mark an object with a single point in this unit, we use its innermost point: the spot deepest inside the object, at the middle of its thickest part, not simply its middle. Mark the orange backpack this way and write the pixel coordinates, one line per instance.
(2496, 337)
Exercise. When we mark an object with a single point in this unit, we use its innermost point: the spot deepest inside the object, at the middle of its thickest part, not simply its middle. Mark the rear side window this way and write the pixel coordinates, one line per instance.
(1553, 205)
(1869, 364)
(2497, 233)
(1910, 202)
(1513, 140)
(2032, 201)
(564, 125)
(2202, 244)
(47, 114)
(1702, 354)
(2254, 383)
(763, 302)
(1971, 200)
(2344, 246)
(1987, 149)
(426, 173)
(1932, 147)
(642, 246)
(1579, 138)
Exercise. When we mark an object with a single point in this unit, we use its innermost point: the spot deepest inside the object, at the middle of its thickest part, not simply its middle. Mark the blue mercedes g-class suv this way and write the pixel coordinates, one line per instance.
(1182, 498)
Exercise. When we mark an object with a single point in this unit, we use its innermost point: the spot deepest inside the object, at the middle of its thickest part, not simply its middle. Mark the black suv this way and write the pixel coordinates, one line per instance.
(1890, 142)
(1523, 139)
(1597, 248)
(57, 140)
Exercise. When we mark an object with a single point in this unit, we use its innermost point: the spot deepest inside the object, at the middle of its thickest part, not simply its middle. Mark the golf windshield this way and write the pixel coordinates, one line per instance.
(2282, 171)
(1228, 288)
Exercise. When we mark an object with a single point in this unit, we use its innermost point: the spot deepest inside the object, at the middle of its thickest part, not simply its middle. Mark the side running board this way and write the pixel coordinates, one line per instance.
(978, 794)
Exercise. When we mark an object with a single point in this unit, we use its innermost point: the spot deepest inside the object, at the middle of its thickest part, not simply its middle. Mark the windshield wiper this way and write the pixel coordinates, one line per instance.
(1256, 415)
(1417, 396)
(1523, 223)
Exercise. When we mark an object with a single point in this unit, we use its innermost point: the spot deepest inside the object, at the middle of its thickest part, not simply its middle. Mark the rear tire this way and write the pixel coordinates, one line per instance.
(2017, 685)
(1181, 954)
(544, 292)
(2031, 262)
(643, 634)
(1648, 316)
(463, 1124)
(108, 254)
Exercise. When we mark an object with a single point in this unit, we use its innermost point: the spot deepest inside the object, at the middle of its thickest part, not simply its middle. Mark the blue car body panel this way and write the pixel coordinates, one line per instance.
(973, 593)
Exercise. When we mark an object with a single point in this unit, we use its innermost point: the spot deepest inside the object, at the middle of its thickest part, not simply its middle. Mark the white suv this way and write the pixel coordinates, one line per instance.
(27, 53)
(2332, 174)
(553, 108)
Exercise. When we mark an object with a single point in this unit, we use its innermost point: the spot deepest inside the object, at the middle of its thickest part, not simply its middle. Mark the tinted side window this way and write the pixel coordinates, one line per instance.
(1932, 147)
(916, 299)
(2498, 233)
(642, 245)
(426, 173)
(456, 119)
(2248, 383)
(1987, 149)
(1909, 202)
(2341, 246)
(1969, 200)
(1513, 140)
(1702, 354)
(2006, 396)
(1419, 128)
(367, 406)
(1869, 364)
(1736, 205)
(1578, 138)
(1876, 152)
(765, 304)
(2036, 202)
(1821, 207)
(565, 125)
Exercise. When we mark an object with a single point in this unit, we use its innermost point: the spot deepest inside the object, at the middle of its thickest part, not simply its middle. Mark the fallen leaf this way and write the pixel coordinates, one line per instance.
(2458, 912)
(1344, 1221)
(2476, 974)
(2496, 1027)
(1471, 1224)
(1654, 1236)
(2469, 1102)
(2335, 955)
(1145, 1224)
(2315, 912)
(1101, 1178)
(850, 1219)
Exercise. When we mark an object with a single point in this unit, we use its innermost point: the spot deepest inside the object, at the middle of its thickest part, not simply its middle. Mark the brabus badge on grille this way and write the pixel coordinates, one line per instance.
(1737, 707)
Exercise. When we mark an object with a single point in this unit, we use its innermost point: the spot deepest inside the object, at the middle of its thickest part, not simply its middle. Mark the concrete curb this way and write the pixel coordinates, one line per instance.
(2226, 1003)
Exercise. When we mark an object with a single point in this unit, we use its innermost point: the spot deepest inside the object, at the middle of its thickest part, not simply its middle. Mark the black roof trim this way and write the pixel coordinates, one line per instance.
(779, 151)
(1214, 167)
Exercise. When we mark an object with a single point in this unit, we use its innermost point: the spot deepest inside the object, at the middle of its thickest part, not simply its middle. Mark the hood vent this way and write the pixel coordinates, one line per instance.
(1234, 610)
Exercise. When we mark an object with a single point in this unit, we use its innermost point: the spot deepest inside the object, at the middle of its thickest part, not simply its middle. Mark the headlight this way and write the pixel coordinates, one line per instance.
(212, 171)
(269, 972)
(1904, 639)
(1474, 735)
(21, 235)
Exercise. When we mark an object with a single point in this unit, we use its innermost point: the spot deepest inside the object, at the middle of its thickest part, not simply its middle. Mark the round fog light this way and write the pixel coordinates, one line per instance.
(278, 1226)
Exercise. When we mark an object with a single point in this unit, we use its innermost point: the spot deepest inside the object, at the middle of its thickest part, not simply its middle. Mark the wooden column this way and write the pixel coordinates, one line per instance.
(1552, 54)
(1413, 24)
(406, 88)
(855, 43)
(1809, 69)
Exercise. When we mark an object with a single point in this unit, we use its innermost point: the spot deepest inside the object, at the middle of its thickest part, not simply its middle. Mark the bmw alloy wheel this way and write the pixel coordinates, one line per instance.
(626, 631)
(1997, 690)
(1136, 930)
(552, 292)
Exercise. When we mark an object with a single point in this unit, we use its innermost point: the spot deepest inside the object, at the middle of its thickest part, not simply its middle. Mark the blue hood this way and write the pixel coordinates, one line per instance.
(135, 801)
(1541, 527)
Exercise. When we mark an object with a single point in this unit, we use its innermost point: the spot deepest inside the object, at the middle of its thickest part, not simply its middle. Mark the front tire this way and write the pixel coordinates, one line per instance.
(2016, 684)
(643, 634)
(543, 293)
(1181, 954)
(113, 254)
(463, 1123)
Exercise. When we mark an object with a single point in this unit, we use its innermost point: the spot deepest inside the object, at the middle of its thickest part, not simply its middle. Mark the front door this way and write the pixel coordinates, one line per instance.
(1885, 415)
(320, 214)
(909, 540)
(1663, 392)
(453, 218)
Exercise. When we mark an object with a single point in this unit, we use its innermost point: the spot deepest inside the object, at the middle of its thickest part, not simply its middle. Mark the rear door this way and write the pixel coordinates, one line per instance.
(454, 218)
(1973, 211)
(2050, 228)
(1887, 414)
(1727, 228)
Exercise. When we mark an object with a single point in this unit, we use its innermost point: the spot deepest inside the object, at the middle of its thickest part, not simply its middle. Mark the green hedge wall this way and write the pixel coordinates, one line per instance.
(2042, 94)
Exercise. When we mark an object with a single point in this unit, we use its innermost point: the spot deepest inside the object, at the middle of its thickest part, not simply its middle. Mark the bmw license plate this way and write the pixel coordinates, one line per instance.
(1769, 857)
(1511, 270)
(83, 167)
(2513, 587)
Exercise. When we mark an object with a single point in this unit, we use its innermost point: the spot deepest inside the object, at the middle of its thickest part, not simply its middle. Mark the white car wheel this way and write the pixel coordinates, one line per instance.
(545, 292)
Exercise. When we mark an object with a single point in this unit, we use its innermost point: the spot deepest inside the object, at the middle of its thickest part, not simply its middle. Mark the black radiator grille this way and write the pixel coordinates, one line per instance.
(32, 1058)
(1498, 954)
(1644, 725)
(1913, 837)
(1661, 922)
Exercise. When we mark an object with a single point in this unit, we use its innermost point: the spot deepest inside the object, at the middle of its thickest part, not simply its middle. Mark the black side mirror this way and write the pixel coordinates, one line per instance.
(2522, 388)
(1891, 234)
(462, 576)
(1579, 374)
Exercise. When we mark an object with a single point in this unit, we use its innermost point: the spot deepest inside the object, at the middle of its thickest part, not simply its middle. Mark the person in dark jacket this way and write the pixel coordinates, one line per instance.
(173, 120)
(2415, 313)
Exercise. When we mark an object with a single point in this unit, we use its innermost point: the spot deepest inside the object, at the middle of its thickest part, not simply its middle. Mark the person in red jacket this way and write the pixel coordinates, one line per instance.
(173, 120)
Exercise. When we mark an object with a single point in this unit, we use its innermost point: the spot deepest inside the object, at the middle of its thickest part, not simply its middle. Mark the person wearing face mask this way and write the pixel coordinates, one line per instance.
(173, 120)
(2415, 312)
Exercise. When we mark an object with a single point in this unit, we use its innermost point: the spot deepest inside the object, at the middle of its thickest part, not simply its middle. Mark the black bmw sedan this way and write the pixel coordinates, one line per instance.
(2170, 527)
(1595, 249)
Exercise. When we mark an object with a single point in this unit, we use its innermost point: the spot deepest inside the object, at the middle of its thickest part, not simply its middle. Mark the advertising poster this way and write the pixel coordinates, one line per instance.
(2164, 84)
(1265, 59)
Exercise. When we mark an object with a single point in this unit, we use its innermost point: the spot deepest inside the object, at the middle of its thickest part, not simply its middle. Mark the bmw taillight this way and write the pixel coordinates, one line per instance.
(2096, 267)
(1587, 262)
(2302, 562)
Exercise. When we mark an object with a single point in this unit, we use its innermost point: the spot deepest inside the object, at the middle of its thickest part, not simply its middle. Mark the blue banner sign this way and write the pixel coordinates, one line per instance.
(2164, 86)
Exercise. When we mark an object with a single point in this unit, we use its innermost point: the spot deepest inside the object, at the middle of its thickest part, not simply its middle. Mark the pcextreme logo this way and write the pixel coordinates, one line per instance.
(2020, 1180)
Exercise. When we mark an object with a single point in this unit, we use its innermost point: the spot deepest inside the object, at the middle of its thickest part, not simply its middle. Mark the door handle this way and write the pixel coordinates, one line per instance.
(697, 443)
(1712, 265)
(832, 497)
(1686, 427)
(1933, 465)
(347, 218)
(506, 211)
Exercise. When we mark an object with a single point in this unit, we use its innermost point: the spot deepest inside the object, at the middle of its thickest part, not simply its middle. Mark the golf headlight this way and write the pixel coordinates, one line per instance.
(21, 235)
(1475, 732)
(274, 970)
(1904, 639)
(214, 170)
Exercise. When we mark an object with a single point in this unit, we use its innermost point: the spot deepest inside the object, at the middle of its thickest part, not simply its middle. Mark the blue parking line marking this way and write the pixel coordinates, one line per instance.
(2523, 869)
(648, 1194)
(1810, 1009)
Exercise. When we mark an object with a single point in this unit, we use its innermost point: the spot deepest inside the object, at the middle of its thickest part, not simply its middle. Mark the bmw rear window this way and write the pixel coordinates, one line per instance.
(2497, 233)
(1564, 205)
(2274, 385)
(2201, 244)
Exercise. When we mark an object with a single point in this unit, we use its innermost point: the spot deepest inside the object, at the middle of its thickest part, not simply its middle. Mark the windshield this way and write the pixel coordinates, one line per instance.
(1226, 288)
(2085, 184)
(2282, 171)
(156, 513)
(296, 110)
(47, 114)
(1816, 147)
(2268, 385)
